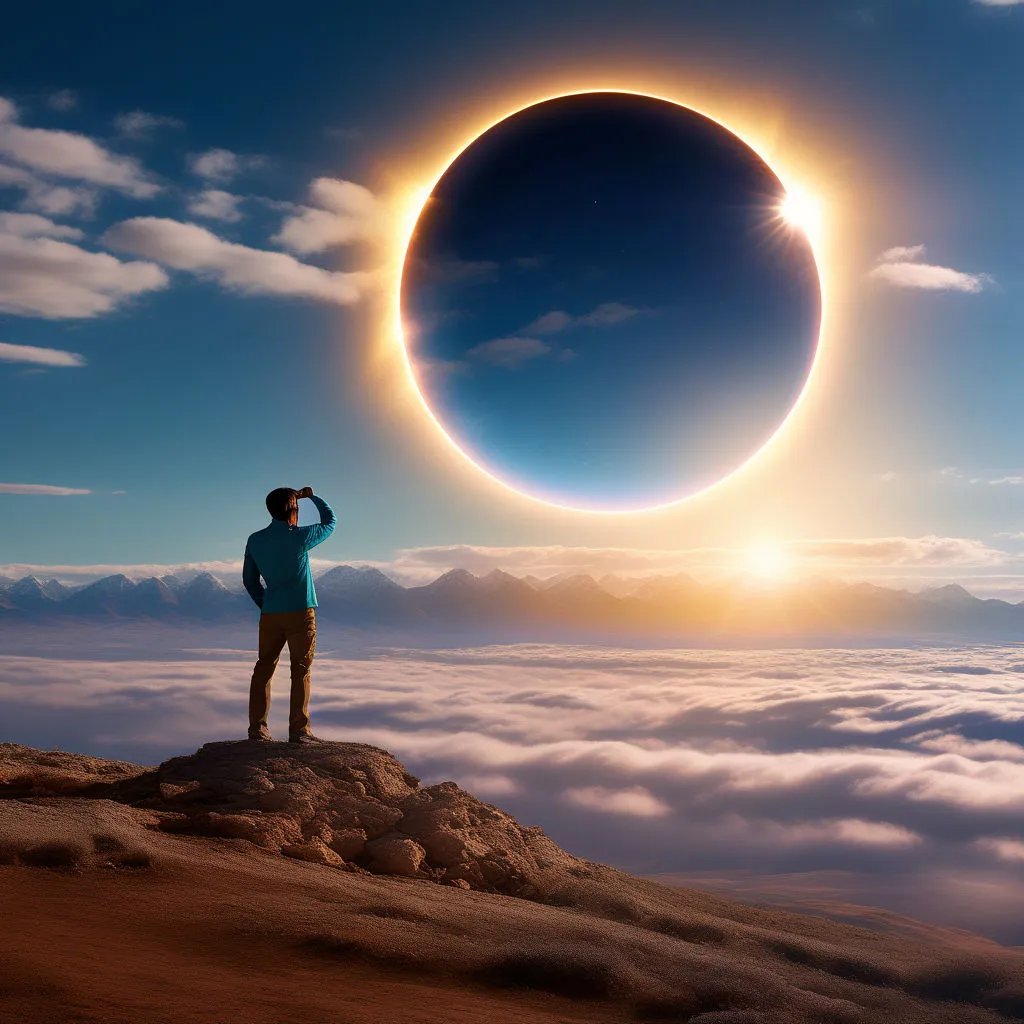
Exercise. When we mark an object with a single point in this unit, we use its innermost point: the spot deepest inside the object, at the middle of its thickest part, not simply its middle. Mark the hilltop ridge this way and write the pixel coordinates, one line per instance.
(325, 880)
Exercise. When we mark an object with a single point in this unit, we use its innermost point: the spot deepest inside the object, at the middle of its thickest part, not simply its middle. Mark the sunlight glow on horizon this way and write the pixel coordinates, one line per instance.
(769, 563)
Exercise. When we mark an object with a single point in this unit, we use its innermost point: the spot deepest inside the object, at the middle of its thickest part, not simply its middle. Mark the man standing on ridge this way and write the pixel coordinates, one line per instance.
(279, 553)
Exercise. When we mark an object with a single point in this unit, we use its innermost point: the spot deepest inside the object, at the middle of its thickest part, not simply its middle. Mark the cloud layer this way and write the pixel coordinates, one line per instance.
(880, 763)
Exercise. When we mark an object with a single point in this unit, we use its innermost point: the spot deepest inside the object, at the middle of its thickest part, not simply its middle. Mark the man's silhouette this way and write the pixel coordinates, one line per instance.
(287, 606)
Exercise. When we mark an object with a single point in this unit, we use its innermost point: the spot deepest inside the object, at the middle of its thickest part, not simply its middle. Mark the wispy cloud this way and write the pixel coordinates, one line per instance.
(213, 204)
(236, 267)
(140, 124)
(454, 270)
(39, 356)
(221, 165)
(605, 315)
(70, 155)
(508, 353)
(40, 489)
(901, 267)
(343, 213)
(63, 99)
(514, 351)
(999, 3)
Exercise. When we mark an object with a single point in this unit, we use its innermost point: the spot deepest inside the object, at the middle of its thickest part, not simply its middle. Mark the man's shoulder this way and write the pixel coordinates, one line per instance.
(257, 535)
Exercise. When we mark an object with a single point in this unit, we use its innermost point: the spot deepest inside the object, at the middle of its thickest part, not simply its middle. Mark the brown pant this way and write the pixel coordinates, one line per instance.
(298, 630)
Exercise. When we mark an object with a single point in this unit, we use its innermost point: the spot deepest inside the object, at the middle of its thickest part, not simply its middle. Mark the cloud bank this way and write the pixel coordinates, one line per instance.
(879, 764)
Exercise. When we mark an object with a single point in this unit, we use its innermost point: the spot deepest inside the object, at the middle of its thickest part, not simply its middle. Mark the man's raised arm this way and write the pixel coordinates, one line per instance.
(251, 578)
(319, 533)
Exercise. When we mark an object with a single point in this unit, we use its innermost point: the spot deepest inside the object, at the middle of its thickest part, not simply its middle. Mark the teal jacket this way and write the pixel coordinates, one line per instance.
(279, 553)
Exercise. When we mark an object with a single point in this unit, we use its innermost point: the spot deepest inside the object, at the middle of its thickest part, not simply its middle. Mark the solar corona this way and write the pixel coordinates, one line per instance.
(610, 302)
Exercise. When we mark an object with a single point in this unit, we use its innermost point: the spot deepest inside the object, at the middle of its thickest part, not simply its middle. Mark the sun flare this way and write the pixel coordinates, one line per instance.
(802, 211)
(770, 564)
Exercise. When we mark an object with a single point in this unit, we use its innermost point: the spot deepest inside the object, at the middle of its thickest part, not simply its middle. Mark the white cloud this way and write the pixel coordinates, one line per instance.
(221, 164)
(39, 356)
(550, 323)
(139, 124)
(64, 99)
(453, 270)
(999, 3)
(56, 280)
(508, 353)
(344, 213)
(899, 267)
(31, 225)
(605, 315)
(214, 204)
(930, 550)
(70, 155)
(236, 267)
(39, 489)
(902, 253)
(635, 802)
(45, 196)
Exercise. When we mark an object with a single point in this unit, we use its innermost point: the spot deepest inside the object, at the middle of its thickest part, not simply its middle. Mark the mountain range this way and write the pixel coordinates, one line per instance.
(364, 598)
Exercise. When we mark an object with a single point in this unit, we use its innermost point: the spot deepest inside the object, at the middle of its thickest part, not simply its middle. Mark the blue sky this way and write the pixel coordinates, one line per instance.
(203, 374)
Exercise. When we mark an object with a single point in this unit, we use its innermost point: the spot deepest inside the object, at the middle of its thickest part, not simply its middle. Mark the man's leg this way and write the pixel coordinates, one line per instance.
(301, 647)
(272, 639)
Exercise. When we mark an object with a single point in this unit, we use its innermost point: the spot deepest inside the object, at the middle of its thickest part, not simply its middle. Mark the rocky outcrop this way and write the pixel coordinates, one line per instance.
(348, 806)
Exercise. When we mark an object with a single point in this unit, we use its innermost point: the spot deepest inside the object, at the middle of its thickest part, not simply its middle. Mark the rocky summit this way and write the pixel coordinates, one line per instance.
(271, 882)
(347, 805)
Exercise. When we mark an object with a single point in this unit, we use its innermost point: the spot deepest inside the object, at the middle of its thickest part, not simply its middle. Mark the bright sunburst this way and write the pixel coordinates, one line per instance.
(769, 563)
(802, 210)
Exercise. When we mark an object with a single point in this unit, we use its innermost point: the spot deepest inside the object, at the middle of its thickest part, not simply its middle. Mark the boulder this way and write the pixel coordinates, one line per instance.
(395, 855)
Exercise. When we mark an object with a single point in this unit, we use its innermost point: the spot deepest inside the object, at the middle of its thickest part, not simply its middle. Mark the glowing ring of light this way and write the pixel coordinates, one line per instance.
(409, 229)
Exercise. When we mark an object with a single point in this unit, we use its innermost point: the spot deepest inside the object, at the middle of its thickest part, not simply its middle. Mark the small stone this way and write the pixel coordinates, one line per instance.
(348, 843)
(315, 852)
(393, 855)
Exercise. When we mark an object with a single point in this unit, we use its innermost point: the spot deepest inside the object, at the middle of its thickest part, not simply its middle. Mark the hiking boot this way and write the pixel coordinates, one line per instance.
(262, 734)
(304, 737)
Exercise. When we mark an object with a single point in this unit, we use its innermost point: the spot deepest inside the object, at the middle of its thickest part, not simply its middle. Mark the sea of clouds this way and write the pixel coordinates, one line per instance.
(892, 777)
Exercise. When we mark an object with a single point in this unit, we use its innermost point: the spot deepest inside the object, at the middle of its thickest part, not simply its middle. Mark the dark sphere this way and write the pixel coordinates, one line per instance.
(603, 306)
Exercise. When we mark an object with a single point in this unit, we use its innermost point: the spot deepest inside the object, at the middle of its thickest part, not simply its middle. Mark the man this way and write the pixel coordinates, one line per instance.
(279, 553)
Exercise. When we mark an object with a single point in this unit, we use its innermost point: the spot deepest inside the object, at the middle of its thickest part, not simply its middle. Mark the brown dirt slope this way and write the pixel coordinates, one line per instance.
(276, 884)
